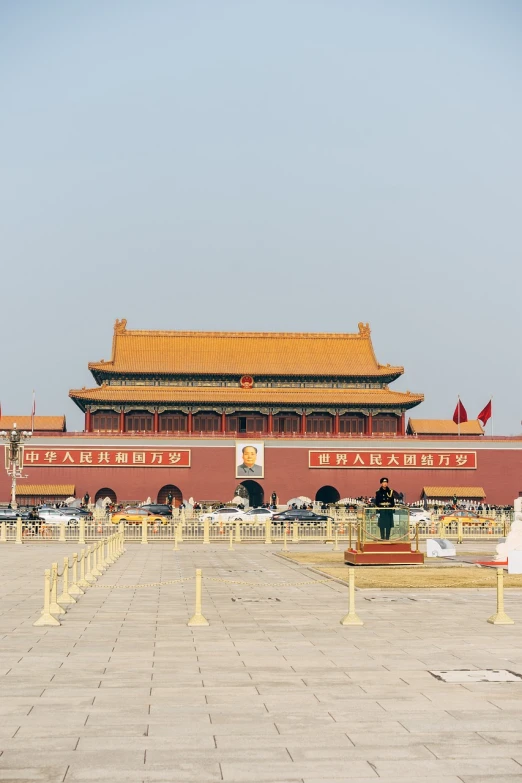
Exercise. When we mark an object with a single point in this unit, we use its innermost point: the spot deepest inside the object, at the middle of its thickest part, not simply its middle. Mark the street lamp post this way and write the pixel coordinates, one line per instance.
(14, 457)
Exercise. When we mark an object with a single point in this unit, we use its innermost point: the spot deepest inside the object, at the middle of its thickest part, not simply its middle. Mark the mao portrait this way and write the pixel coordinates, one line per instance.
(250, 460)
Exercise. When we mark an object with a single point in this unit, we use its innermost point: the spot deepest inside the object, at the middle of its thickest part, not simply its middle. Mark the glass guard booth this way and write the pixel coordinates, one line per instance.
(382, 525)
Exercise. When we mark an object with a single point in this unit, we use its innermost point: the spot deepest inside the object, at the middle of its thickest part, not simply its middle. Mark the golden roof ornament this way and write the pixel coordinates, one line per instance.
(120, 327)
(364, 330)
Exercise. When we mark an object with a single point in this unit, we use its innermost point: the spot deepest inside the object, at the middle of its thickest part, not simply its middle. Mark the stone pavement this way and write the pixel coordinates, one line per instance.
(274, 690)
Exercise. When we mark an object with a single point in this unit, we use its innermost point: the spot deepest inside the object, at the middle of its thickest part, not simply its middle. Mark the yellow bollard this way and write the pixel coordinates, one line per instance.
(95, 552)
(18, 539)
(110, 559)
(46, 618)
(75, 588)
(197, 618)
(238, 531)
(102, 565)
(81, 531)
(89, 576)
(3, 533)
(459, 532)
(285, 544)
(268, 531)
(500, 617)
(231, 544)
(206, 531)
(295, 532)
(66, 597)
(62, 533)
(441, 528)
(328, 529)
(336, 541)
(351, 618)
(82, 581)
(176, 547)
(55, 607)
(144, 531)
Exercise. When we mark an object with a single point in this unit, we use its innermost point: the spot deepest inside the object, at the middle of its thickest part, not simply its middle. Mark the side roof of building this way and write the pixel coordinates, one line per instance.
(443, 427)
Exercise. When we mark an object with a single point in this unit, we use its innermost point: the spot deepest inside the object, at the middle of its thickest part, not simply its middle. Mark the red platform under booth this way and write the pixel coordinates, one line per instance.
(389, 553)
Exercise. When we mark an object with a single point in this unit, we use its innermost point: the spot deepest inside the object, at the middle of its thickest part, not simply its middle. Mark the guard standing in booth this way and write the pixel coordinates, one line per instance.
(385, 502)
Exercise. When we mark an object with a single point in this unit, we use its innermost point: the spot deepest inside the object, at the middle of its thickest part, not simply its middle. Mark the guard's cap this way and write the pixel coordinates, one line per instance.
(383, 479)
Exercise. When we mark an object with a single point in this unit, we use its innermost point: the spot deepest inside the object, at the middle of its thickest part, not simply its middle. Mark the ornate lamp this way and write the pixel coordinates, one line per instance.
(14, 457)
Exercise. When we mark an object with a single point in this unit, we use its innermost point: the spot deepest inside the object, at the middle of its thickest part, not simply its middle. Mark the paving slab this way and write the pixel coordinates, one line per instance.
(271, 691)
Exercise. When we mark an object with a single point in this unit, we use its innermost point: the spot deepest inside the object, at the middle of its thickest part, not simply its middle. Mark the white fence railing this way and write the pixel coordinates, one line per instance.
(196, 530)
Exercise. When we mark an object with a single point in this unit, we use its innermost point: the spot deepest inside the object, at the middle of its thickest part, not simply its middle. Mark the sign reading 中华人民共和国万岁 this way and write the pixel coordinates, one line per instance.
(113, 457)
(427, 460)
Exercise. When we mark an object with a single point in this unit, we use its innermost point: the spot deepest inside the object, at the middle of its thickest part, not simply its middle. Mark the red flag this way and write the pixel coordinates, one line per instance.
(460, 415)
(485, 414)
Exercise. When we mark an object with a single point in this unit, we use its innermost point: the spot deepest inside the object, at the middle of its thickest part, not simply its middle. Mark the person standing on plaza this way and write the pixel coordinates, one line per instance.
(385, 502)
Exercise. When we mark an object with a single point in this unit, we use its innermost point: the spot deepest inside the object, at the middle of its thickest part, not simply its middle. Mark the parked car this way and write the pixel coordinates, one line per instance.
(300, 515)
(254, 515)
(419, 515)
(224, 514)
(57, 516)
(136, 516)
(158, 508)
(11, 514)
(466, 517)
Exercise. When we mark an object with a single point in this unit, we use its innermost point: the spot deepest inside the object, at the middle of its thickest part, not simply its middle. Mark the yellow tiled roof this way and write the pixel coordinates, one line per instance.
(56, 423)
(60, 490)
(460, 492)
(255, 396)
(444, 427)
(243, 353)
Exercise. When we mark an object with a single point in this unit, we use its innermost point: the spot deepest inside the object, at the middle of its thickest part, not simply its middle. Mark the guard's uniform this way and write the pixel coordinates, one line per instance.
(385, 501)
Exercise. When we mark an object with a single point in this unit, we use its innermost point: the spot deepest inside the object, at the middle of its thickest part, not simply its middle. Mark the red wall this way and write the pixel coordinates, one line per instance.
(211, 476)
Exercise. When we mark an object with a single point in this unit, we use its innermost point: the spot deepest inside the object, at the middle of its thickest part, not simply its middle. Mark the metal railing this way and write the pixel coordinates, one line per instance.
(194, 530)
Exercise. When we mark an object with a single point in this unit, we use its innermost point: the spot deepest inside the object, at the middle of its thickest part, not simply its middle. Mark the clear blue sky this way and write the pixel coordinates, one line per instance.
(275, 165)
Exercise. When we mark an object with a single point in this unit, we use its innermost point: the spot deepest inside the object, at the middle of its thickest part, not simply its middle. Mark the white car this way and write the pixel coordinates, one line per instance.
(57, 516)
(255, 515)
(221, 515)
(419, 515)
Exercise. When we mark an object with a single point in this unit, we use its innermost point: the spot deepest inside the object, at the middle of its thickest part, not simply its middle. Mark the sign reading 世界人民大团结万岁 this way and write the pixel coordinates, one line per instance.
(427, 460)
(115, 458)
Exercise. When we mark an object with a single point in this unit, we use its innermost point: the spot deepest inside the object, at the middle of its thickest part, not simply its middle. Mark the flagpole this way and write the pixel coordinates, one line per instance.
(458, 415)
(491, 403)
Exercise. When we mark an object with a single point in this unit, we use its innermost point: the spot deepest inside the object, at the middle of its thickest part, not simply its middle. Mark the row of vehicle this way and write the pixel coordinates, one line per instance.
(46, 514)
(157, 513)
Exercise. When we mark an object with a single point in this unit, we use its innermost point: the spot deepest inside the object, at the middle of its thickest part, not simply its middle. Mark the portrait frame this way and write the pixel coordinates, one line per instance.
(241, 469)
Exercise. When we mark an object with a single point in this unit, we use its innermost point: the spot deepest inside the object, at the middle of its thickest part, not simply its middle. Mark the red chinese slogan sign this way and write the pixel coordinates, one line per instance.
(115, 458)
(440, 460)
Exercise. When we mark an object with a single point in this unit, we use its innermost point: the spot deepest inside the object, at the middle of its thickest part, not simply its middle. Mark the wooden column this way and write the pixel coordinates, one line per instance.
(122, 420)
(303, 424)
(156, 422)
(270, 423)
(369, 423)
(401, 430)
(189, 423)
(336, 423)
(223, 422)
(88, 420)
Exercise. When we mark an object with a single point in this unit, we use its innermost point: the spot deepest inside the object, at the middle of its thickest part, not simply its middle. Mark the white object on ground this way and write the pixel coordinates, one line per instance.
(514, 559)
(440, 547)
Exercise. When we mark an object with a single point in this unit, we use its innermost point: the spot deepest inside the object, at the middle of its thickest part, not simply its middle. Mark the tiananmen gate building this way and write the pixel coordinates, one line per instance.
(210, 415)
